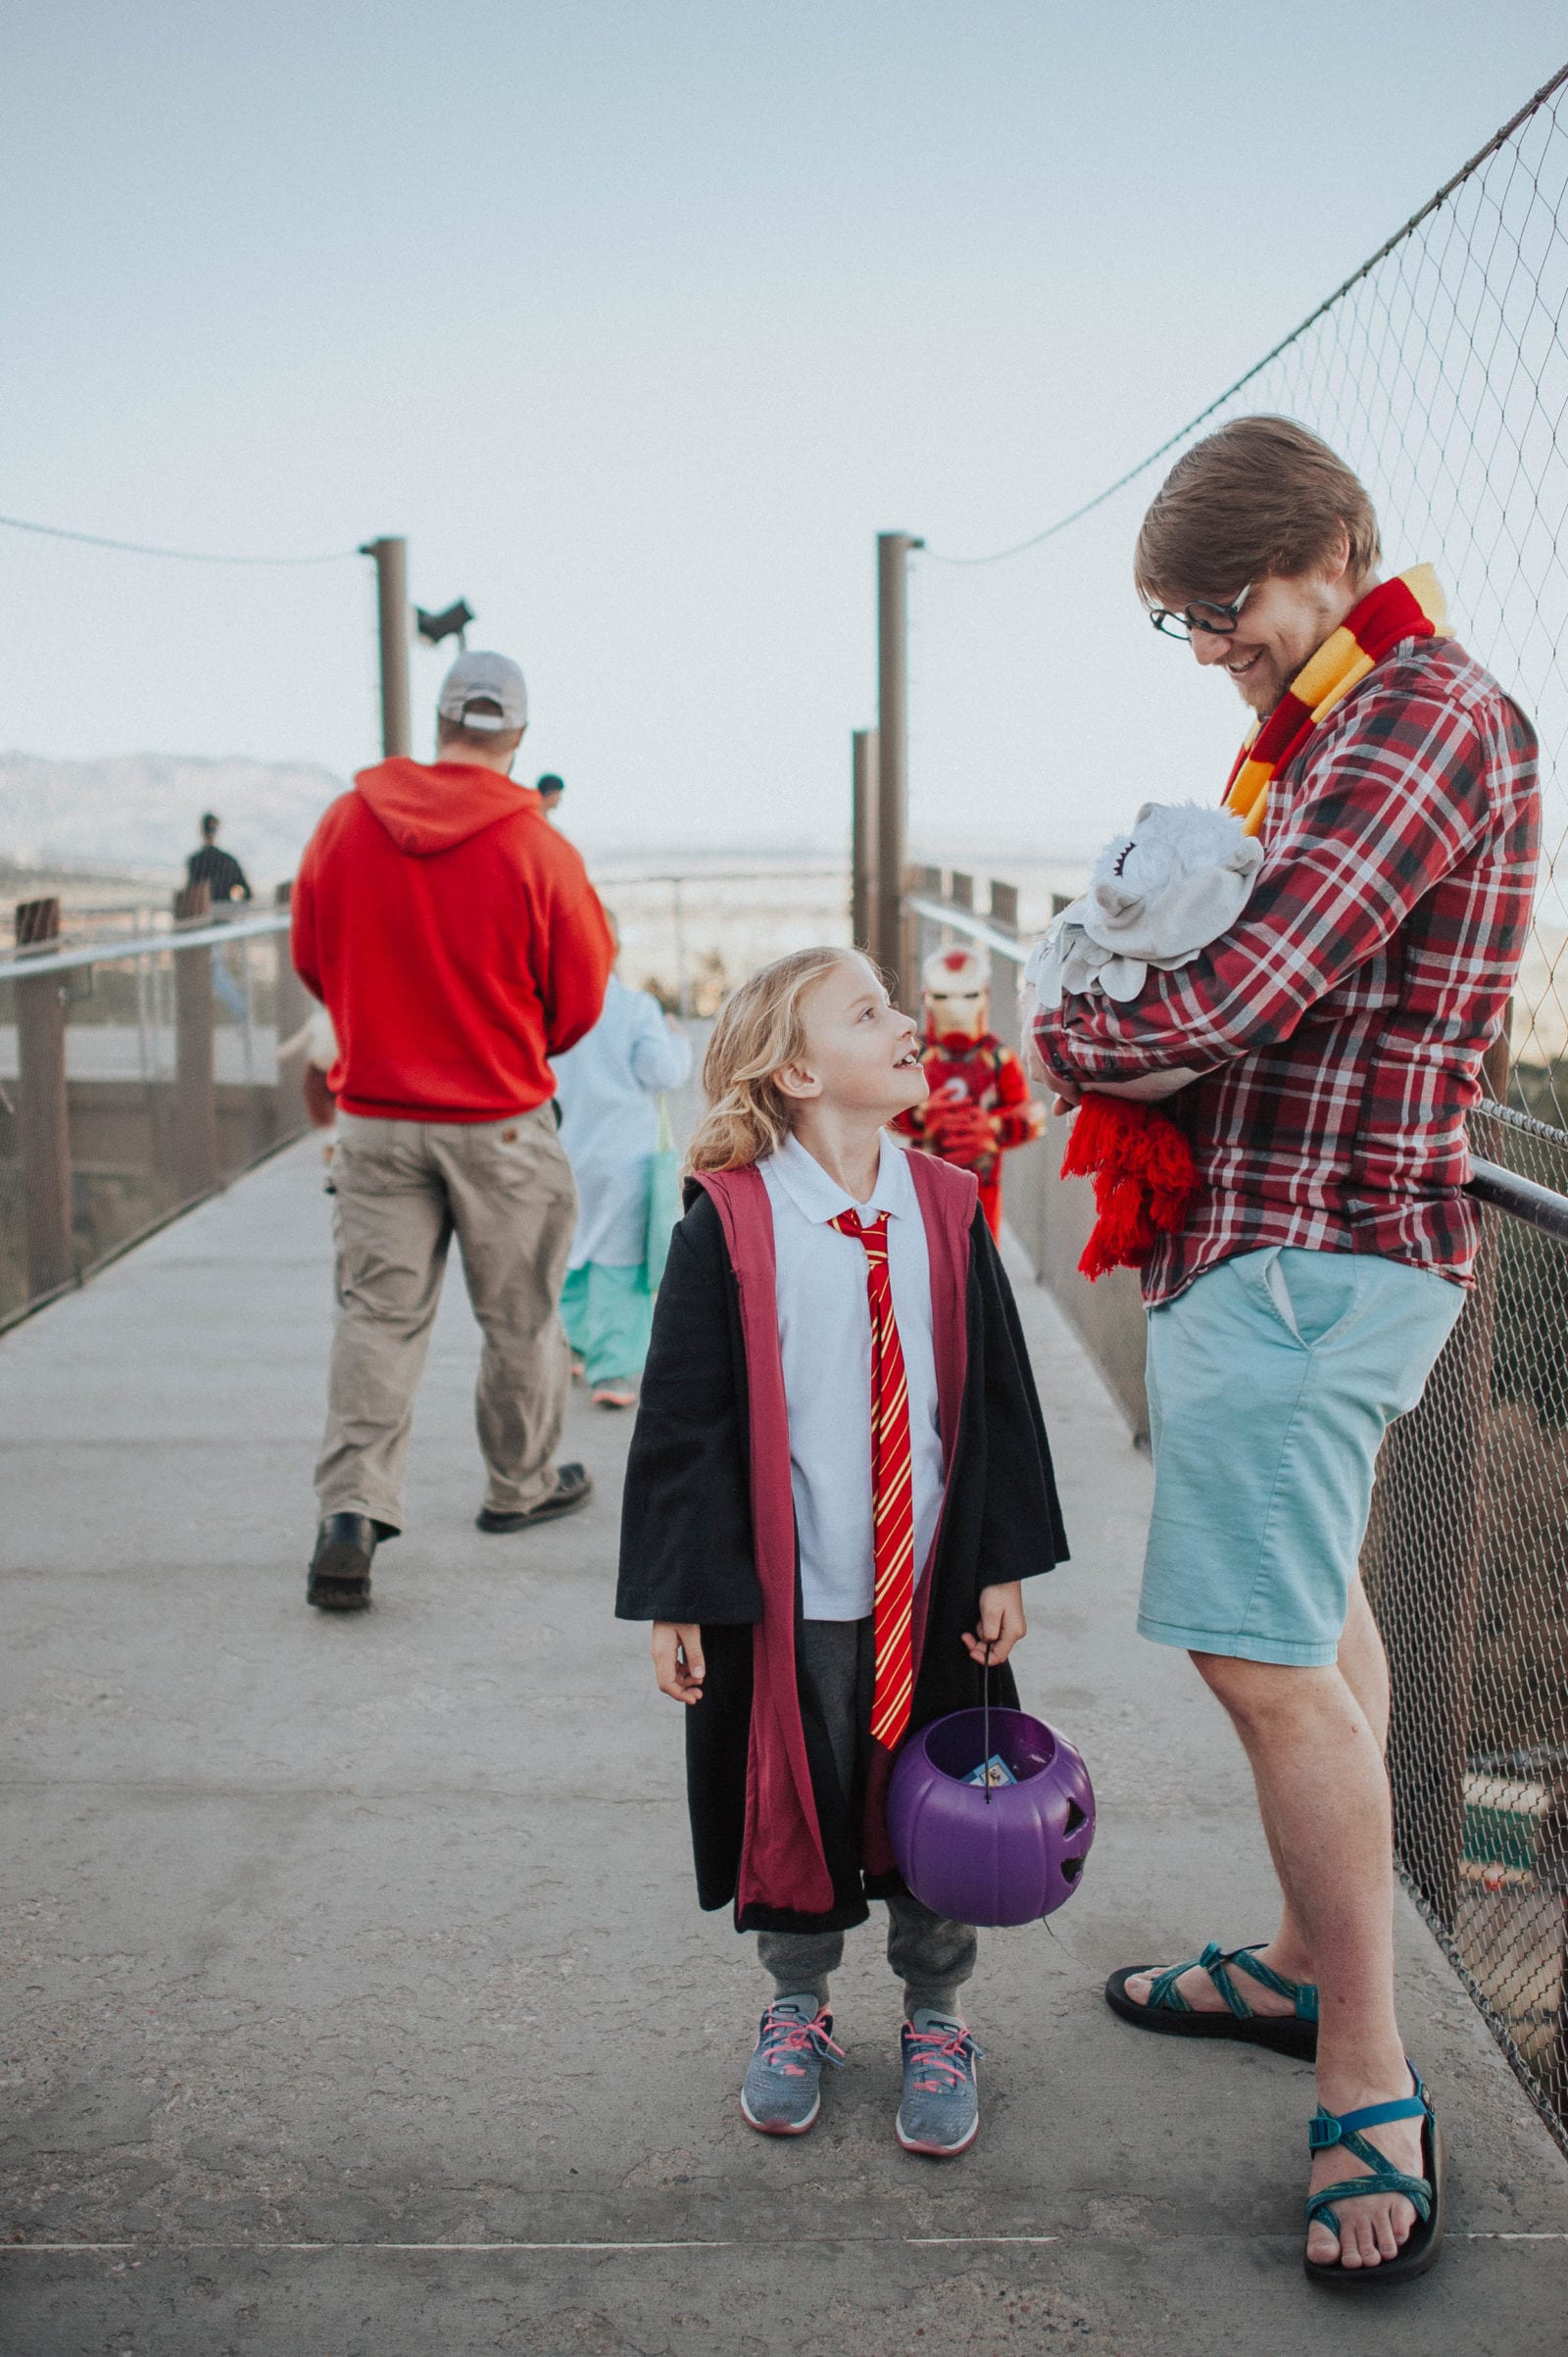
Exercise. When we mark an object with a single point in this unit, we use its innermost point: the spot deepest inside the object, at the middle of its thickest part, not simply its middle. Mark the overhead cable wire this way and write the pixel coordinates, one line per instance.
(1063, 522)
(181, 555)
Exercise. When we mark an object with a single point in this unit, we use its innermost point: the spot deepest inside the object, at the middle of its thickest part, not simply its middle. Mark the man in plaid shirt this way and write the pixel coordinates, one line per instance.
(1321, 1057)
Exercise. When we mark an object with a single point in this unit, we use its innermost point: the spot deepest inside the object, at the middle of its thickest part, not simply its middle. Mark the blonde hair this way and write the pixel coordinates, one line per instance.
(759, 1029)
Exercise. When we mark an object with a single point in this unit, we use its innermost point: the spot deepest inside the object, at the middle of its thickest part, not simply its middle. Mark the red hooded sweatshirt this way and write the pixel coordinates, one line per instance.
(455, 939)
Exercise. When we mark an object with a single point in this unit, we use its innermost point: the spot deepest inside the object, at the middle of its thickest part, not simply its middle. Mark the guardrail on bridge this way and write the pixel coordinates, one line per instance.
(137, 1076)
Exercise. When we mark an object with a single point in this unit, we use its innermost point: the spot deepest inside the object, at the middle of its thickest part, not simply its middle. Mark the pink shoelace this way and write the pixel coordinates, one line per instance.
(944, 2055)
(785, 2035)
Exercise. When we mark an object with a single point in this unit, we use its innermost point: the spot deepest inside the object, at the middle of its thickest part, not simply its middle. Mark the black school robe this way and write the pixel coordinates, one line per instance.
(704, 1533)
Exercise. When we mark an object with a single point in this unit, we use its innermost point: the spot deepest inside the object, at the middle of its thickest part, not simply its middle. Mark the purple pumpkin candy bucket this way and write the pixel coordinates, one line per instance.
(1004, 1855)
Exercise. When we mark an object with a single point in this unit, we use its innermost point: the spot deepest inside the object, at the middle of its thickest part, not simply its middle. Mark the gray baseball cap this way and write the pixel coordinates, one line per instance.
(484, 680)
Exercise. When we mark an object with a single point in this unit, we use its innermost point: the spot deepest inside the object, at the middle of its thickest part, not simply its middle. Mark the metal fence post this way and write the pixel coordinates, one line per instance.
(863, 838)
(195, 1095)
(1004, 978)
(392, 619)
(43, 1117)
(893, 751)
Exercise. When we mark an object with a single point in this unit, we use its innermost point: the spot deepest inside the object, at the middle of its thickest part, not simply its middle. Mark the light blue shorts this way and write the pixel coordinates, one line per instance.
(1271, 1383)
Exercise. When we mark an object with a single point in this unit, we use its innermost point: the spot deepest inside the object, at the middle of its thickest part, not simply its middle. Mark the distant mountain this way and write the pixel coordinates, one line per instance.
(140, 810)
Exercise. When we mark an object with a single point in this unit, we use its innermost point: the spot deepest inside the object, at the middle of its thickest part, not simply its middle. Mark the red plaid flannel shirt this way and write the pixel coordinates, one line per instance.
(1340, 1024)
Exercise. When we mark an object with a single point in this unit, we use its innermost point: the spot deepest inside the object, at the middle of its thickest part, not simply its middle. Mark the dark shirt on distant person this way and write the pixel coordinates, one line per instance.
(221, 871)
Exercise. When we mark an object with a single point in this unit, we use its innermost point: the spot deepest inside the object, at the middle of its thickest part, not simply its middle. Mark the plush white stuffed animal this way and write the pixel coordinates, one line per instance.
(1158, 896)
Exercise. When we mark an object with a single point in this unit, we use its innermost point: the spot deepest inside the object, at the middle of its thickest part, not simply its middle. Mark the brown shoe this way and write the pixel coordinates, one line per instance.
(573, 1488)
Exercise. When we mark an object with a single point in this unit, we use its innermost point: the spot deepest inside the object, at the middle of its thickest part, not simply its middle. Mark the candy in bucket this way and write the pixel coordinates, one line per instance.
(991, 1815)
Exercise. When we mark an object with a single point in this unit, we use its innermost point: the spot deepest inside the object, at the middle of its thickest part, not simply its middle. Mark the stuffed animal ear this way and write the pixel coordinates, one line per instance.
(1122, 978)
(1146, 810)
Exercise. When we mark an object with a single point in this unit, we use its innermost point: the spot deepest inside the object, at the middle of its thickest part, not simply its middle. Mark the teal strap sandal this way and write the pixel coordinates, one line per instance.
(1168, 2012)
(1425, 2193)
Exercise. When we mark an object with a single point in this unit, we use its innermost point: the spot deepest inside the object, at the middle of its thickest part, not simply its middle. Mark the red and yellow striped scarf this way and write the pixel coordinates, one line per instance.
(1412, 606)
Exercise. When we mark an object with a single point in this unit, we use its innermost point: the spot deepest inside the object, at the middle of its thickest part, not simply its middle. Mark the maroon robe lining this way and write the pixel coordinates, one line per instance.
(783, 1864)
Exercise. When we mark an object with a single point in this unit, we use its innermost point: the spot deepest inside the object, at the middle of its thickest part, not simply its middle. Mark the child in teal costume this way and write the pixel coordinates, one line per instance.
(608, 1087)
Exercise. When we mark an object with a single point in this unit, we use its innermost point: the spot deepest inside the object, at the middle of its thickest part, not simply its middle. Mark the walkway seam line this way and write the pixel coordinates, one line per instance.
(159, 2250)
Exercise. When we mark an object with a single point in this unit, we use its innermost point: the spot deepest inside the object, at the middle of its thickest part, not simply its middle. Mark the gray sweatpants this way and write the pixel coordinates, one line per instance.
(930, 1954)
(403, 1190)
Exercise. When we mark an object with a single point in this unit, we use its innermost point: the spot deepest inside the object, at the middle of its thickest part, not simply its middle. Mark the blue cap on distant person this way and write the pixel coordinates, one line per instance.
(481, 678)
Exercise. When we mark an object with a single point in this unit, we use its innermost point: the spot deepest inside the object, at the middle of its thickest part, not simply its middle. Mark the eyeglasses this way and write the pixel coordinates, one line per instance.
(1207, 616)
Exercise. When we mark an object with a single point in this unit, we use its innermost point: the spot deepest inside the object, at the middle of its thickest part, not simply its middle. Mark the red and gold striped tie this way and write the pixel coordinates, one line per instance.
(892, 1492)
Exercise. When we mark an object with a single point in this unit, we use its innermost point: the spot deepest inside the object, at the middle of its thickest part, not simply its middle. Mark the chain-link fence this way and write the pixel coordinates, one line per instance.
(1466, 1563)
(1440, 373)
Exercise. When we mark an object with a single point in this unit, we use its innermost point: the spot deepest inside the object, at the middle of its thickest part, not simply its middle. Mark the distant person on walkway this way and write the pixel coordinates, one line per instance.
(607, 1088)
(825, 1282)
(1328, 1047)
(550, 789)
(218, 870)
(458, 945)
(227, 889)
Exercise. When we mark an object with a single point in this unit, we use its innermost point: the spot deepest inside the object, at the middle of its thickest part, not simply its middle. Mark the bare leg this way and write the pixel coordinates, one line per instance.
(1317, 1758)
(1364, 1667)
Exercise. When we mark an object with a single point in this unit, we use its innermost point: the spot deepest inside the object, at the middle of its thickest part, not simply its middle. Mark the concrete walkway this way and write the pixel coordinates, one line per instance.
(360, 2003)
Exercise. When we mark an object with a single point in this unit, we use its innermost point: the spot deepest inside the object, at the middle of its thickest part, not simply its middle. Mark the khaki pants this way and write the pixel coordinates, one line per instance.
(403, 1187)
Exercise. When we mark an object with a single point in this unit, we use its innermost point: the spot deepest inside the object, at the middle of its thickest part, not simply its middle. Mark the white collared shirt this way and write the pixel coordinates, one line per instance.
(824, 1327)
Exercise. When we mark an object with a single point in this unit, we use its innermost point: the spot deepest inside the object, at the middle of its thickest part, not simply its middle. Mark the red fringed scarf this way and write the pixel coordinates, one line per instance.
(1144, 1176)
(1140, 1163)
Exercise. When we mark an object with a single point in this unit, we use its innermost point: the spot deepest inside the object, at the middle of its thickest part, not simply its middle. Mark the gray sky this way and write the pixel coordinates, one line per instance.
(640, 321)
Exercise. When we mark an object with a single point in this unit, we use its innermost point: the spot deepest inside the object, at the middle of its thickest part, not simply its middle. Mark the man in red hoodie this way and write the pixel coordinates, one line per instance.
(458, 945)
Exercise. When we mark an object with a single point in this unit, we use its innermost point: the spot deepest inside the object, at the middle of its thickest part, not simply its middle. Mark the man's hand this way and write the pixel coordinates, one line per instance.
(679, 1664)
(1000, 1624)
(1069, 1096)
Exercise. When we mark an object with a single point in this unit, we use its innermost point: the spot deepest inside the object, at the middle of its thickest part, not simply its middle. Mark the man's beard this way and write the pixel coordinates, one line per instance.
(1274, 681)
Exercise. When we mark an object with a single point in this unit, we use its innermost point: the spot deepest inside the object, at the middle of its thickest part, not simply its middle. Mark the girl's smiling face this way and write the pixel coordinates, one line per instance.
(861, 1055)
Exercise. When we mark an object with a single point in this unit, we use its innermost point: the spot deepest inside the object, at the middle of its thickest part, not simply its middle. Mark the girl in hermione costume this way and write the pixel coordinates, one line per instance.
(838, 1479)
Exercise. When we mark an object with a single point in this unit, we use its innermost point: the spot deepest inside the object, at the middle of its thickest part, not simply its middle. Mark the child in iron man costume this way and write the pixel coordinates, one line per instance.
(979, 1105)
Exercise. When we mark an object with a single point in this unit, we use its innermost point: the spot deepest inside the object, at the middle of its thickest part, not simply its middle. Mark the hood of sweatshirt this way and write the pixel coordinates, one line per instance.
(428, 806)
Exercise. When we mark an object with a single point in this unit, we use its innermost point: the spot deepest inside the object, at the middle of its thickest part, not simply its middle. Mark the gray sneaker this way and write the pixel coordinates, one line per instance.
(940, 2113)
(782, 2092)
